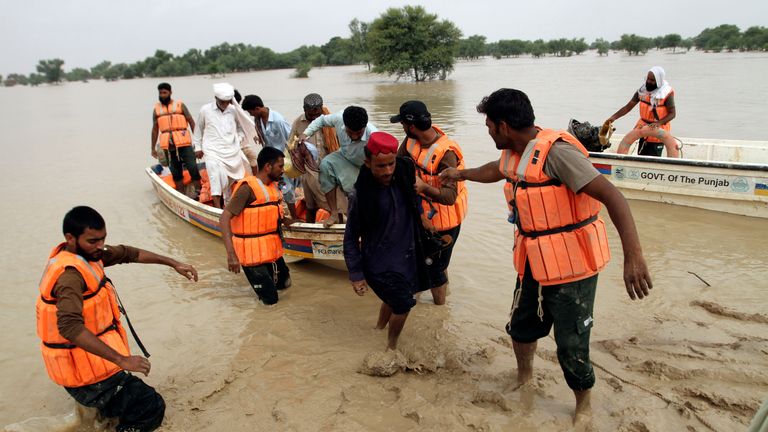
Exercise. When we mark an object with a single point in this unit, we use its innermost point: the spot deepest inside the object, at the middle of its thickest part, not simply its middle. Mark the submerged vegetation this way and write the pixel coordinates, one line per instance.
(428, 52)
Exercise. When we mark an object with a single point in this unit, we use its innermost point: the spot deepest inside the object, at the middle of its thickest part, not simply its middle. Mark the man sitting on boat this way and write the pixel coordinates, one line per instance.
(340, 169)
(217, 140)
(327, 142)
(250, 227)
(382, 246)
(657, 109)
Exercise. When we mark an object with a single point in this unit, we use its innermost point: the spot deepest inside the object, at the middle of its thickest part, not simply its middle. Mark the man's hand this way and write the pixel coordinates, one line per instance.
(450, 175)
(420, 186)
(199, 154)
(154, 152)
(233, 263)
(302, 138)
(135, 364)
(186, 270)
(360, 287)
(654, 125)
(636, 277)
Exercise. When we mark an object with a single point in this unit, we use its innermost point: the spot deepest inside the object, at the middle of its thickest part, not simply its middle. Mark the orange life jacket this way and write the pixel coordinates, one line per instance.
(650, 115)
(255, 234)
(67, 364)
(172, 125)
(559, 232)
(427, 163)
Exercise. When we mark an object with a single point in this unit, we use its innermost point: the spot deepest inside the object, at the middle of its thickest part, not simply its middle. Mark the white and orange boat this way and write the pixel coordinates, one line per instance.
(301, 240)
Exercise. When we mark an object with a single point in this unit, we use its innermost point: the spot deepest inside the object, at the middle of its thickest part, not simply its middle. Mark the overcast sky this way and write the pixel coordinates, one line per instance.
(85, 32)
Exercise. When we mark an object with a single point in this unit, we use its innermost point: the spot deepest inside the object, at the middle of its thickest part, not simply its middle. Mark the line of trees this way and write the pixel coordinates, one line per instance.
(405, 42)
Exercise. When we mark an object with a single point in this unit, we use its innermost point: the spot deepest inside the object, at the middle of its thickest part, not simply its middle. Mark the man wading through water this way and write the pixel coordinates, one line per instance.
(382, 247)
(554, 194)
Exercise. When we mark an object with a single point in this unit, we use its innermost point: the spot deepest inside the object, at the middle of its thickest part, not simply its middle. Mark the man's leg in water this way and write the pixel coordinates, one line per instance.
(385, 312)
(396, 323)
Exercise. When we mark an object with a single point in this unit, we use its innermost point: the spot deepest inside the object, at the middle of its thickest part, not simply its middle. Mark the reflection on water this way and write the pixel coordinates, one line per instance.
(80, 155)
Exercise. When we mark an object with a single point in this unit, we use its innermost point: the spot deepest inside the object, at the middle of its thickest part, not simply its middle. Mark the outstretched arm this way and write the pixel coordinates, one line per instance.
(186, 270)
(636, 277)
(625, 109)
(488, 173)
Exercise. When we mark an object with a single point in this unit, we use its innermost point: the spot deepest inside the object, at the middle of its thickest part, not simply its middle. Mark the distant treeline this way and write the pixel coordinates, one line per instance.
(357, 49)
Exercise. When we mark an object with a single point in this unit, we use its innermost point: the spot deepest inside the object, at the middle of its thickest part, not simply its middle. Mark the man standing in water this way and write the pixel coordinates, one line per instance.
(381, 242)
(217, 140)
(84, 344)
(561, 245)
(432, 152)
(250, 228)
(657, 109)
(172, 121)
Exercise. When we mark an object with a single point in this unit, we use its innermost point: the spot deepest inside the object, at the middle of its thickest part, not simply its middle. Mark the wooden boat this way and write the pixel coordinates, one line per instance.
(300, 240)
(721, 175)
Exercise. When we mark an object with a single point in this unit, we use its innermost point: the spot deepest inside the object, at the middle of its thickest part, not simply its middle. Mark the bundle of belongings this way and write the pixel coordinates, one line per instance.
(594, 139)
(300, 159)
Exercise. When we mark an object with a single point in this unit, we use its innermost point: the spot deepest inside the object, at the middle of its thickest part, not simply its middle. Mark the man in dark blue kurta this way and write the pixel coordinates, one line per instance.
(381, 243)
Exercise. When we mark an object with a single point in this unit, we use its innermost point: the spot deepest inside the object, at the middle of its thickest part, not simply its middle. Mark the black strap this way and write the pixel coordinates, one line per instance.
(566, 228)
(128, 320)
(112, 327)
(254, 235)
(102, 283)
(268, 203)
(551, 182)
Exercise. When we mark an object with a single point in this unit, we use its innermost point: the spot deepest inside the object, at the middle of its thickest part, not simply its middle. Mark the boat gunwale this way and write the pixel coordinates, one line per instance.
(681, 162)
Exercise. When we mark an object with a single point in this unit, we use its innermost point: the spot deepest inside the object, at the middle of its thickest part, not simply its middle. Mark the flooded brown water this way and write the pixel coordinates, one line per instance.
(690, 357)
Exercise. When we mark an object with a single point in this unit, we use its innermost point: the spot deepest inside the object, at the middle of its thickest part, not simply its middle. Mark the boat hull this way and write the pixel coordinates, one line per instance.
(300, 241)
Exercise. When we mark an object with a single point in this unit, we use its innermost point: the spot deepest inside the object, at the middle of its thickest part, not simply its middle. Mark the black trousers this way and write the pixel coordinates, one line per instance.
(266, 279)
(185, 155)
(138, 406)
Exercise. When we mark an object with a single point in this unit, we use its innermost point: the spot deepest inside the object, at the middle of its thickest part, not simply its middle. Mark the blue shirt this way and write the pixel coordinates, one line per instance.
(351, 150)
(276, 131)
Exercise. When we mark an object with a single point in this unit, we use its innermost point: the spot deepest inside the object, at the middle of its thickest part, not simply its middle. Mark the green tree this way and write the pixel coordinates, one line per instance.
(16, 79)
(410, 42)
(36, 79)
(672, 40)
(538, 48)
(634, 44)
(725, 36)
(339, 51)
(1, 80)
(115, 72)
(578, 46)
(687, 43)
(656, 42)
(755, 38)
(302, 70)
(98, 70)
(509, 48)
(472, 47)
(78, 74)
(602, 46)
(51, 70)
(359, 40)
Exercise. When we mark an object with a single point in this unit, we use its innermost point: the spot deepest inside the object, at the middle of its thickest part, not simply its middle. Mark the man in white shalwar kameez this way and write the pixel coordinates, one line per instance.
(217, 139)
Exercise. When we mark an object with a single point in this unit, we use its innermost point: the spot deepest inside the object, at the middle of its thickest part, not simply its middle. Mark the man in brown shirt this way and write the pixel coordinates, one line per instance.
(122, 395)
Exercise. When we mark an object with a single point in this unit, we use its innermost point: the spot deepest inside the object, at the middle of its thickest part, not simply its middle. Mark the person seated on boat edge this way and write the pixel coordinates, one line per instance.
(327, 142)
(558, 251)
(432, 151)
(657, 109)
(382, 238)
(171, 121)
(340, 169)
(217, 140)
(84, 344)
(273, 131)
(250, 228)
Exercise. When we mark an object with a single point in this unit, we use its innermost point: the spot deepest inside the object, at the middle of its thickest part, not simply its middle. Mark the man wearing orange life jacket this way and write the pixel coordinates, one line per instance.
(84, 344)
(657, 109)
(171, 121)
(444, 204)
(554, 195)
(250, 228)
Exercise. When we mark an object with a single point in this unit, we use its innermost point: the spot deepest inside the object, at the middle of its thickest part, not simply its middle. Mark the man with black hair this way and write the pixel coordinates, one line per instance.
(171, 121)
(445, 203)
(250, 228)
(84, 344)
(274, 132)
(382, 246)
(554, 195)
(340, 169)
